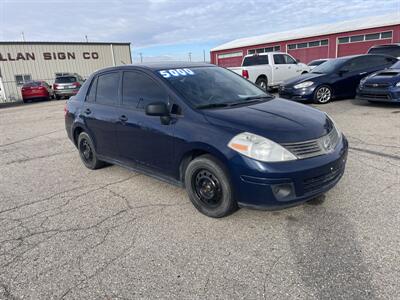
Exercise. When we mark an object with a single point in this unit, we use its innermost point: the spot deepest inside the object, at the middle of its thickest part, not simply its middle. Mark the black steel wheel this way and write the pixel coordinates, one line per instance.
(209, 187)
(87, 152)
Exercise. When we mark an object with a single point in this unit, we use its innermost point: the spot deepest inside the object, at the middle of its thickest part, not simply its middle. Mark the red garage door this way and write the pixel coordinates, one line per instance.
(308, 54)
(231, 59)
(359, 47)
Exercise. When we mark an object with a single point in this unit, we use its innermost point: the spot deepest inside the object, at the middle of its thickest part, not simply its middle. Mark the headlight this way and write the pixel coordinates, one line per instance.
(259, 148)
(362, 81)
(398, 84)
(303, 84)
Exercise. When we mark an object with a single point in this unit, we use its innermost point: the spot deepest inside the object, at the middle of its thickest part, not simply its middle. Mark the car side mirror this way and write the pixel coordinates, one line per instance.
(159, 109)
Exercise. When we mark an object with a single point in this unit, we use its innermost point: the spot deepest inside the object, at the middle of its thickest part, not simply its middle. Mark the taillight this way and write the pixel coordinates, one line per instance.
(55, 86)
(76, 84)
(245, 74)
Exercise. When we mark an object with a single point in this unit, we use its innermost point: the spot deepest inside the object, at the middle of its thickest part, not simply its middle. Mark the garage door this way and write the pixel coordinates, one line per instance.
(232, 59)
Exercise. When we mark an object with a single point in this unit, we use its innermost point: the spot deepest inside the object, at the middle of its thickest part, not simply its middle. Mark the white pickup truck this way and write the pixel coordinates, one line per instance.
(269, 70)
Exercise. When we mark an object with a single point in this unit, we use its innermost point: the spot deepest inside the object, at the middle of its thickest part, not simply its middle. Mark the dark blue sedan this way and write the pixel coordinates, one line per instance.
(228, 142)
(382, 86)
(337, 78)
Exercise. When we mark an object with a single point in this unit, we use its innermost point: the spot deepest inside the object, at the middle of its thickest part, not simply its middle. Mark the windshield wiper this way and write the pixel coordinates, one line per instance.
(212, 105)
(259, 98)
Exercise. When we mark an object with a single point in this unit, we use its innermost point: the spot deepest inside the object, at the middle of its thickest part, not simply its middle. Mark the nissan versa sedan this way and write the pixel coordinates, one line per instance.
(382, 86)
(337, 78)
(205, 128)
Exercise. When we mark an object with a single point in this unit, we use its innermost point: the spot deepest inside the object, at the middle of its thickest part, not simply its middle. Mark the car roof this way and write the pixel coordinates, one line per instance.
(386, 45)
(158, 66)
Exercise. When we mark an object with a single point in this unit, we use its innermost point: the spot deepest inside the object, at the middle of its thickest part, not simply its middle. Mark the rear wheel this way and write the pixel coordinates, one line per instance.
(209, 187)
(322, 94)
(262, 83)
(87, 152)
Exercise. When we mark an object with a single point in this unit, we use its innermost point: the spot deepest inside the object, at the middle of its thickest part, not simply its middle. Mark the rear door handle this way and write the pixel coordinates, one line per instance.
(88, 111)
(123, 118)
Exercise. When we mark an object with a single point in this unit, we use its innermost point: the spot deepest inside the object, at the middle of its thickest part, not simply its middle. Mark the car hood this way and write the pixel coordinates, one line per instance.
(279, 120)
(302, 78)
(385, 76)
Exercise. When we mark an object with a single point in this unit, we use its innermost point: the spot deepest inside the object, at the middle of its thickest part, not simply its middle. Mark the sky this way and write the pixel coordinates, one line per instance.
(170, 29)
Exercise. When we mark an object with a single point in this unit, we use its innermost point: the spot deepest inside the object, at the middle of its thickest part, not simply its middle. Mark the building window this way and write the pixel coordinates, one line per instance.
(231, 54)
(324, 42)
(263, 50)
(308, 44)
(21, 79)
(386, 35)
(372, 36)
(343, 40)
(356, 38)
(365, 37)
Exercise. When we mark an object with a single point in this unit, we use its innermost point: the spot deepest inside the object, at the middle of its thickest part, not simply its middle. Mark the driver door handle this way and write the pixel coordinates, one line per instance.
(123, 118)
(88, 111)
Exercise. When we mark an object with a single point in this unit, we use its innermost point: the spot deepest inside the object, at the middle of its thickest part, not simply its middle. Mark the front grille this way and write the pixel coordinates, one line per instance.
(375, 96)
(316, 183)
(316, 147)
(377, 85)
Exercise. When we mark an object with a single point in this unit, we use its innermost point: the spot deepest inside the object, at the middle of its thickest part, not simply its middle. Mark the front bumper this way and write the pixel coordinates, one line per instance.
(387, 94)
(258, 184)
(291, 93)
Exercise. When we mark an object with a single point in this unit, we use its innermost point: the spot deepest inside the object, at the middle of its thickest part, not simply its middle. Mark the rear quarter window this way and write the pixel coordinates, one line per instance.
(255, 60)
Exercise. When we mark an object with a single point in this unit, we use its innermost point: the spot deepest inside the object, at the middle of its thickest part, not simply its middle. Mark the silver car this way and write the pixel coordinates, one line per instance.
(67, 85)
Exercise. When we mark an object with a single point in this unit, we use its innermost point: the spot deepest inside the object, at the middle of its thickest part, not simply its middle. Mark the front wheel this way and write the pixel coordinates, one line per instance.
(209, 187)
(322, 94)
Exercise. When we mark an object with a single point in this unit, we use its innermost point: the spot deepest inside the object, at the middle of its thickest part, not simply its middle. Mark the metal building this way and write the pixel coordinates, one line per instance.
(306, 44)
(24, 61)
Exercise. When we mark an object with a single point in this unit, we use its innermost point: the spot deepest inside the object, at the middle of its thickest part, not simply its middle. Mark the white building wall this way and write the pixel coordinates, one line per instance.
(43, 60)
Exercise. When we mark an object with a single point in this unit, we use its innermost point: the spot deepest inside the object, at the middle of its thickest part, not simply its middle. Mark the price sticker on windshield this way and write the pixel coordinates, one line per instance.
(176, 72)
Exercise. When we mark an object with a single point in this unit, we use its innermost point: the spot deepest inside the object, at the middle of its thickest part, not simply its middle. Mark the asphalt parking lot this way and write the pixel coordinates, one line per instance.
(68, 232)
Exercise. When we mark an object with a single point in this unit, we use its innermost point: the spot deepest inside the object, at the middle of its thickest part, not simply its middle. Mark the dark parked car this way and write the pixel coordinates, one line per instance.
(226, 140)
(383, 86)
(389, 49)
(314, 63)
(336, 78)
(67, 85)
(34, 90)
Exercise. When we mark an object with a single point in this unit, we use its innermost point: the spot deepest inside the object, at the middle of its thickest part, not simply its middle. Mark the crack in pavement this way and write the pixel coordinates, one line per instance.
(30, 138)
(382, 154)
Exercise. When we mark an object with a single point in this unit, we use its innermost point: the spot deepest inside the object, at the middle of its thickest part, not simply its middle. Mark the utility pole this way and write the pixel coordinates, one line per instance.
(141, 57)
(204, 55)
(86, 39)
(190, 56)
(23, 36)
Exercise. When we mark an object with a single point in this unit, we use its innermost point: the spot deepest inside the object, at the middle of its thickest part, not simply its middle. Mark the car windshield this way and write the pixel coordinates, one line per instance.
(212, 87)
(396, 65)
(66, 79)
(32, 84)
(328, 66)
(316, 62)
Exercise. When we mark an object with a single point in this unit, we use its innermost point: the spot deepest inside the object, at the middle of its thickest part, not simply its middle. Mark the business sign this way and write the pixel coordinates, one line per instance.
(25, 56)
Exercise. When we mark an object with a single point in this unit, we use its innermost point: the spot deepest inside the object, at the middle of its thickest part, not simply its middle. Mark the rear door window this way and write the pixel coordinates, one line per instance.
(107, 88)
(138, 90)
(279, 59)
(255, 60)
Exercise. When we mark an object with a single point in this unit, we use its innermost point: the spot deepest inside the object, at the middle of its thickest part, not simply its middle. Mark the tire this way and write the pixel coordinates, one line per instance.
(209, 188)
(57, 97)
(322, 94)
(262, 83)
(88, 153)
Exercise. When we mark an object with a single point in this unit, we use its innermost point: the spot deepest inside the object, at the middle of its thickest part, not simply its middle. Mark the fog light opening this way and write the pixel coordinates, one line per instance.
(283, 192)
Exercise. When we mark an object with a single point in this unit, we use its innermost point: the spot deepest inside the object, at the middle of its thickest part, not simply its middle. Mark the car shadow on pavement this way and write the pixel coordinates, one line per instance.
(375, 104)
(328, 258)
